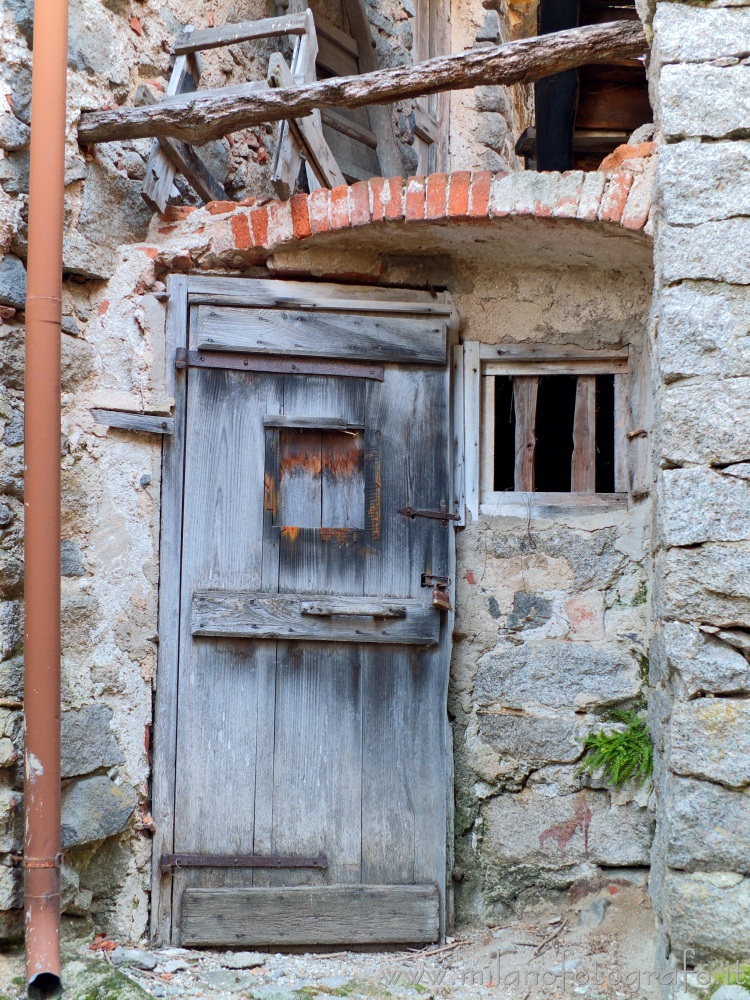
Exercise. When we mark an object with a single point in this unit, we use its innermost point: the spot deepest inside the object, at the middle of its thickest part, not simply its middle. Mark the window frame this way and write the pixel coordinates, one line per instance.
(474, 362)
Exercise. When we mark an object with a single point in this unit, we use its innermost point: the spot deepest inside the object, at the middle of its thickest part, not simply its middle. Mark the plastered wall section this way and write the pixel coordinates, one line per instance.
(700, 84)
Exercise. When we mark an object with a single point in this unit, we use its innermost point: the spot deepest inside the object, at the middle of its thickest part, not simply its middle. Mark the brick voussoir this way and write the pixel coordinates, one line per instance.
(618, 198)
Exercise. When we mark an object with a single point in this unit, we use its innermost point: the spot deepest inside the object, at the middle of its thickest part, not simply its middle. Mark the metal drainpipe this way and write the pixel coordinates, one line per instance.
(42, 845)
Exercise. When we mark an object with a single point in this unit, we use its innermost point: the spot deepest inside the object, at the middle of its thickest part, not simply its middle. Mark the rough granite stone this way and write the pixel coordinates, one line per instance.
(702, 663)
(95, 808)
(700, 505)
(710, 739)
(11, 821)
(713, 920)
(14, 135)
(85, 259)
(95, 45)
(709, 584)
(88, 742)
(704, 100)
(708, 827)
(703, 182)
(531, 828)
(704, 329)
(112, 210)
(705, 422)
(71, 563)
(555, 674)
(686, 34)
(712, 251)
(12, 282)
(531, 738)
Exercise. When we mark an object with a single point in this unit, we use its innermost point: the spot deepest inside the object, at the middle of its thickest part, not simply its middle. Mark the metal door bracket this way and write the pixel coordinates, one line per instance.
(443, 515)
(167, 862)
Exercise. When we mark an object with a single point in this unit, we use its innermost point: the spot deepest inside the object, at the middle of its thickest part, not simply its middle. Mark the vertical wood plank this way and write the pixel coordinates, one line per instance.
(487, 458)
(525, 394)
(641, 420)
(457, 418)
(170, 559)
(301, 480)
(622, 426)
(583, 462)
(472, 394)
(343, 479)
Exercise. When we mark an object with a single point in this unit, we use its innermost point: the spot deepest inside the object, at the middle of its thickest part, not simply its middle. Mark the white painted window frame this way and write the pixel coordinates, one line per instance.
(473, 362)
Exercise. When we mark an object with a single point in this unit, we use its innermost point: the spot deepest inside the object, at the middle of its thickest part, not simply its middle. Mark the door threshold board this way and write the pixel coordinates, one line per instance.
(311, 915)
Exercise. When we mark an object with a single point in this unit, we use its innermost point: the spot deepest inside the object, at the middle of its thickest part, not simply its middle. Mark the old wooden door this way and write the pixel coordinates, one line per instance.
(303, 731)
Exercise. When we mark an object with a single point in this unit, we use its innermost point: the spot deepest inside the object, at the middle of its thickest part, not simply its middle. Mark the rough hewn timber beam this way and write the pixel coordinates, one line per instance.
(197, 118)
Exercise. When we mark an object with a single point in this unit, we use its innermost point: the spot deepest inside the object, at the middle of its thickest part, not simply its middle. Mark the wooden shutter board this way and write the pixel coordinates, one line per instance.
(583, 461)
(525, 394)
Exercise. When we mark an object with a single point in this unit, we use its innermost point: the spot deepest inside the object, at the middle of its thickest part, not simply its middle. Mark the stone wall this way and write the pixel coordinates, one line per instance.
(699, 672)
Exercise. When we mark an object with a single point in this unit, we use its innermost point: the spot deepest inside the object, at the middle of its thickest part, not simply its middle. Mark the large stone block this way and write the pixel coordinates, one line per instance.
(706, 422)
(12, 282)
(88, 742)
(97, 43)
(93, 809)
(11, 821)
(714, 251)
(708, 913)
(710, 739)
(555, 674)
(708, 827)
(704, 182)
(701, 663)
(533, 739)
(710, 584)
(704, 329)
(687, 34)
(700, 505)
(112, 210)
(704, 100)
(532, 828)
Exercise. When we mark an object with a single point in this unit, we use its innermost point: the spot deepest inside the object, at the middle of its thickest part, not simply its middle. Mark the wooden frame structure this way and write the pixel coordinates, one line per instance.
(525, 363)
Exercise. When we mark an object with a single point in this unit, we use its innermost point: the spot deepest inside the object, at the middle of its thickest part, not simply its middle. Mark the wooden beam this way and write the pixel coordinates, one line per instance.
(583, 462)
(198, 118)
(525, 392)
(244, 31)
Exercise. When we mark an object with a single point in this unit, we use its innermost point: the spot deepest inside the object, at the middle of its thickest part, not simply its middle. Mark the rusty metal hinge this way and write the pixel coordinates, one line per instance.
(443, 515)
(169, 861)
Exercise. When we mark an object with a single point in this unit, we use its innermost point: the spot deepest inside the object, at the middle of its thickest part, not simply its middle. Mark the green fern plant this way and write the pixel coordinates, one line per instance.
(620, 754)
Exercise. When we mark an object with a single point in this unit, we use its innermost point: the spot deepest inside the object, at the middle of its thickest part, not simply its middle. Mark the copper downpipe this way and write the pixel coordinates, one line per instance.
(42, 501)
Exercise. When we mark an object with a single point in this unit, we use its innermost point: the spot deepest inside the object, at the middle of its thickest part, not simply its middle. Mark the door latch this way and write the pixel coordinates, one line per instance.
(443, 515)
(440, 595)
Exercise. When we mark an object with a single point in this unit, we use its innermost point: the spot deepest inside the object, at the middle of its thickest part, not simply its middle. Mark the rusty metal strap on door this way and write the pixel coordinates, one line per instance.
(275, 365)
(167, 862)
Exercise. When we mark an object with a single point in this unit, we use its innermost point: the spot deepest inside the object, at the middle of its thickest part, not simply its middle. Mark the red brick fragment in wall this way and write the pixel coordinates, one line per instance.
(437, 195)
(300, 216)
(458, 194)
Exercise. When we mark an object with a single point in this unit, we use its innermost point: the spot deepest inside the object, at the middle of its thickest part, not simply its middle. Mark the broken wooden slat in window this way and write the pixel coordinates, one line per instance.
(160, 171)
(359, 337)
(622, 426)
(185, 160)
(472, 394)
(525, 392)
(307, 131)
(583, 462)
(487, 460)
(641, 418)
(244, 31)
(259, 615)
(288, 153)
(143, 422)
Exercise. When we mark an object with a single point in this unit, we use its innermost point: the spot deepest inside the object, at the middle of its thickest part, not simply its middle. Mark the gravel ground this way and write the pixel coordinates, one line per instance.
(602, 948)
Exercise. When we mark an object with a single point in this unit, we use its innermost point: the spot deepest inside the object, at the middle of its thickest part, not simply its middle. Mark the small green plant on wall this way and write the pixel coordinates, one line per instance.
(621, 754)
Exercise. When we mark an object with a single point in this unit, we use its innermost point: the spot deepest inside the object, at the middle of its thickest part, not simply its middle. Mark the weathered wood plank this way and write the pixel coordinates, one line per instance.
(550, 505)
(148, 423)
(457, 427)
(548, 352)
(185, 159)
(327, 29)
(622, 426)
(322, 334)
(347, 608)
(346, 126)
(343, 479)
(307, 131)
(335, 60)
(243, 31)
(551, 367)
(472, 430)
(198, 119)
(487, 458)
(356, 160)
(248, 614)
(525, 393)
(300, 478)
(170, 555)
(287, 157)
(583, 462)
(316, 295)
(320, 423)
(311, 915)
